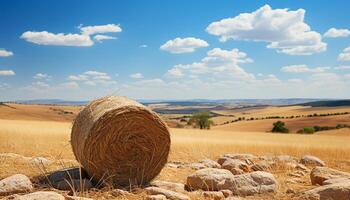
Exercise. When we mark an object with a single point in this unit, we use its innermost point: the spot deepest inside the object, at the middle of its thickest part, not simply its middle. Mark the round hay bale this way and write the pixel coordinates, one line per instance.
(120, 141)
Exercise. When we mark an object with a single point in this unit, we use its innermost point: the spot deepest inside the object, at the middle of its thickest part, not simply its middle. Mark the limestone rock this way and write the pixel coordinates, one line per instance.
(213, 195)
(210, 163)
(15, 184)
(336, 191)
(177, 187)
(254, 183)
(210, 179)
(167, 193)
(320, 174)
(312, 160)
(41, 195)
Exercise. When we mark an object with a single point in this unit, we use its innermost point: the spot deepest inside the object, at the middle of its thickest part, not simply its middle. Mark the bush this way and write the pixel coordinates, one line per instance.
(307, 130)
(201, 120)
(279, 127)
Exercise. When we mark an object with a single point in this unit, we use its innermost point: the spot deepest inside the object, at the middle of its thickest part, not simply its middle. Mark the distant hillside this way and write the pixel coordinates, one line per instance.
(333, 103)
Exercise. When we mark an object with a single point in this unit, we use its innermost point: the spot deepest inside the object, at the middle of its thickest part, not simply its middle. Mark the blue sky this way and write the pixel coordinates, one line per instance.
(174, 49)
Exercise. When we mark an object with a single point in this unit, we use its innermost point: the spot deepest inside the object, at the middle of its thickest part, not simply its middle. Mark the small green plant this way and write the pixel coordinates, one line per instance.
(307, 130)
(279, 127)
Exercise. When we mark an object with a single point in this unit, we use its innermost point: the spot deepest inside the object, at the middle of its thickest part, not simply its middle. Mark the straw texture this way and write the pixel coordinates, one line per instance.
(120, 141)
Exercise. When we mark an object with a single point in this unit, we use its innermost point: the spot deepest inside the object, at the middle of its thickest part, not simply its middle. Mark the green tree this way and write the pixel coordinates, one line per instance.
(201, 120)
(279, 127)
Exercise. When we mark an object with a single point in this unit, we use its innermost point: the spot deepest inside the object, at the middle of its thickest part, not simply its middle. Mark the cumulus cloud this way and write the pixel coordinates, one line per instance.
(143, 46)
(183, 45)
(345, 55)
(285, 30)
(7, 73)
(136, 76)
(335, 33)
(60, 39)
(71, 39)
(303, 69)
(92, 30)
(70, 85)
(5, 53)
(42, 76)
(103, 37)
(217, 62)
(342, 67)
(93, 78)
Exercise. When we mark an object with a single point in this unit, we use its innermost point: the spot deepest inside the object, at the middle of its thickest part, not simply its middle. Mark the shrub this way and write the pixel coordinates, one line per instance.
(307, 130)
(279, 127)
(201, 120)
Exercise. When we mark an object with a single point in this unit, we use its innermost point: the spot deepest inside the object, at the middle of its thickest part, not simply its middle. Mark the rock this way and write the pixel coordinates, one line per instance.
(301, 167)
(167, 193)
(248, 158)
(211, 179)
(41, 195)
(73, 185)
(15, 184)
(177, 187)
(213, 195)
(39, 161)
(312, 160)
(226, 193)
(77, 198)
(156, 197)
(234, 164)
(336, 191)
(254, 183)
(197, 166)
(171, 165)
(320, 174)
(210, 163)
(335, 180)
(260, 166)
(233, 198)
(119, 192)
(64, 174)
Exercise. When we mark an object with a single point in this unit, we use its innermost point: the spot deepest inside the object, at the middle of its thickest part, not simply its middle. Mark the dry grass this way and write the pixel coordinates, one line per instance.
(50, 139)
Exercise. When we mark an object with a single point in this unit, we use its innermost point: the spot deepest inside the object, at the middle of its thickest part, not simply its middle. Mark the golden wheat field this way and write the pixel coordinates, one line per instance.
(33, 137)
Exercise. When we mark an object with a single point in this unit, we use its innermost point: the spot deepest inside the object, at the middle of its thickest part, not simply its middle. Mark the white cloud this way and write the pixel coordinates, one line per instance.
(347, 76)
(150, 82)
(92, 30)
(334, 33)
(183, 45)
(40, 84)
(175, 72)
(218, 62)
(303, 69)
(80, 77)
(93, 78)
(345, 55)
(103, 37)
(342, 67)
(136, 76)
(60, 39)
(4, 86)
(285, 30)
(70, 85)
(5, 53)
(70, 39)
(7, 73)
(42, 76)
(143, 46)
(95, 73)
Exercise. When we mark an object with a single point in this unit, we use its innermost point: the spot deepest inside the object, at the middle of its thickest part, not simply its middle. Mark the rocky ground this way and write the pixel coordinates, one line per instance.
(231, 177)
